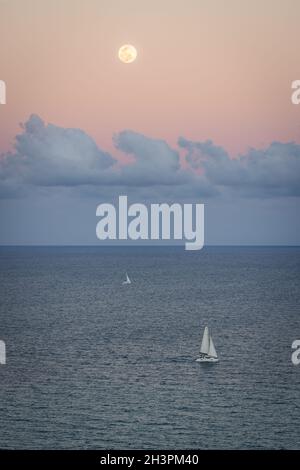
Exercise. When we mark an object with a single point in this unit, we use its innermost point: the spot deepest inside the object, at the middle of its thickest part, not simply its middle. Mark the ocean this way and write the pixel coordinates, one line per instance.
(94, 364)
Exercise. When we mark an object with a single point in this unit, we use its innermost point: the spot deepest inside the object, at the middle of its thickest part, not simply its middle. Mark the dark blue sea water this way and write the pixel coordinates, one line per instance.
(94, 364)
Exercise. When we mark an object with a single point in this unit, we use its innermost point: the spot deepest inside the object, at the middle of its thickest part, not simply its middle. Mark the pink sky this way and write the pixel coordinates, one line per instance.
(206, 69)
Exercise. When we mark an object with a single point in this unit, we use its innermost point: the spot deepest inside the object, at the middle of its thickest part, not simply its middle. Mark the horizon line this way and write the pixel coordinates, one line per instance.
(111, 245)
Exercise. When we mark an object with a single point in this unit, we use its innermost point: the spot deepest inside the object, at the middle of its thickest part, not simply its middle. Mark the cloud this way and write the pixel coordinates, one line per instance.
(156, 165)
(270, 172)
(47, 156)
(155, 162)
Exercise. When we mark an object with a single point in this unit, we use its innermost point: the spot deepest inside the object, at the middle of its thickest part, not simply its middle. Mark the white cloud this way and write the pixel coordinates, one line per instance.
(269, 172)
(48, 155)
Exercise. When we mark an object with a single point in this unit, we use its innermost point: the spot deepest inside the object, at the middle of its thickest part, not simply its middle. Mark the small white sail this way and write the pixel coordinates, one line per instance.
(205, 342)
(212, 350)
(128, 281)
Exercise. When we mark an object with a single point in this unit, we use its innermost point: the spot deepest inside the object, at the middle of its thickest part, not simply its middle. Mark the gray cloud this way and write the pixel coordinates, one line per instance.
(157, 165)
(48, 155)
(274, 171)
(154, 161)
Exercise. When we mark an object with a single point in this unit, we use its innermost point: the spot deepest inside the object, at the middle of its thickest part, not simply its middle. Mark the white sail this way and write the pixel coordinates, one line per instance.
(208, 353)
(205, 342)
(212, 350)
(128, 281)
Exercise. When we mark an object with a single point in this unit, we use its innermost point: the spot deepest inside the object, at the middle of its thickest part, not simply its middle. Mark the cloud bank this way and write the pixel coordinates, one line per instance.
(46, 155)
(274, 171)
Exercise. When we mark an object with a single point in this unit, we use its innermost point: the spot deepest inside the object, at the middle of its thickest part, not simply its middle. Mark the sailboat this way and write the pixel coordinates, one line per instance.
(208, 351)
(128, 281)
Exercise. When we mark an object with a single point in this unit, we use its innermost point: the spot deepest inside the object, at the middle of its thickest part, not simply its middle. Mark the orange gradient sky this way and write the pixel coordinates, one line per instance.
(206, 69)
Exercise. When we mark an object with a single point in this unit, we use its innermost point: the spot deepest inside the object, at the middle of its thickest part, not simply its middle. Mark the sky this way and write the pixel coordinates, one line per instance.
(204, 114)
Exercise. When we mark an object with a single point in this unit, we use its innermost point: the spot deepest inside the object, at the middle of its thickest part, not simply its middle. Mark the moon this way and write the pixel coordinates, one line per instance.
(127, 53)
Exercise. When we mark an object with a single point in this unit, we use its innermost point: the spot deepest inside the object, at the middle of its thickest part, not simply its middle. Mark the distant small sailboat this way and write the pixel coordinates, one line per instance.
(128, 281)
(208, 351)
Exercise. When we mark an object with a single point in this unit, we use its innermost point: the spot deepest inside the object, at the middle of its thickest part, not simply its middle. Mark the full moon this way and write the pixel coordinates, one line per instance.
(127, 54)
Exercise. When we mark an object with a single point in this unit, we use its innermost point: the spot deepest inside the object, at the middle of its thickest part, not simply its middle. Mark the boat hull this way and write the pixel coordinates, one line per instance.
(207, 359)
